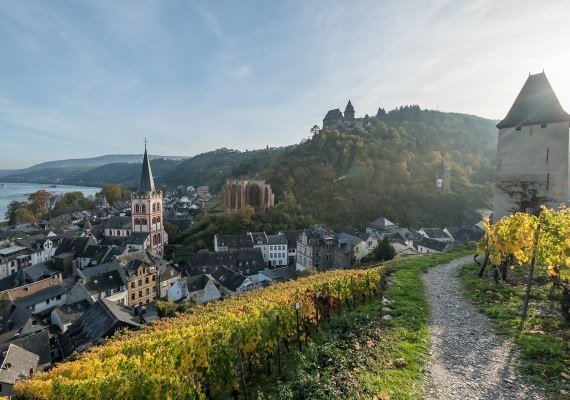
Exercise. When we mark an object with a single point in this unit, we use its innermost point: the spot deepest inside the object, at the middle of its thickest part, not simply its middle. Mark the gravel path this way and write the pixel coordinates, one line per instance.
(469, 359)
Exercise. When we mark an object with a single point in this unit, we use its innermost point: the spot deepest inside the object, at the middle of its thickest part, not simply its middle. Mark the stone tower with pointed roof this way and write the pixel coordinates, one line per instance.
(146, 212)
(532, 152)
(443, 177)
(349, 111)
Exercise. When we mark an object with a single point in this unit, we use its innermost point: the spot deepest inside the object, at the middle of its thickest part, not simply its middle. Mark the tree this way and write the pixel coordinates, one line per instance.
(15, 212)
(39, 202)
(112, 193)
(384, 251)
(171, 229)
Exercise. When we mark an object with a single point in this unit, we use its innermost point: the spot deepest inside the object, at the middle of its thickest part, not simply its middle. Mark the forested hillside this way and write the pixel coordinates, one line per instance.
(387, 169)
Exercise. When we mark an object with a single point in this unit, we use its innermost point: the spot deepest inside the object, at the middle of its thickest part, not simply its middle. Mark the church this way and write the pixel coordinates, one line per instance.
(532, 152)
(146, 211)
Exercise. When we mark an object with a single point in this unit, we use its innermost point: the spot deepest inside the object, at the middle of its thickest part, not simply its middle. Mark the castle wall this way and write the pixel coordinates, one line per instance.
(241, 193)
(532, 166)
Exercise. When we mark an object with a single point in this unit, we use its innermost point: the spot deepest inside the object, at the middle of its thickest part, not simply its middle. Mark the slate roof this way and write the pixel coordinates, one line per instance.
(234, 240)
(205, 258)
(75, 245)
(17, 364)
(146, 183)
(168, 273)
(228, 278)
(355, 240)
(250, 259)
(349, 107)
(40, 271)
(73, 311)
(463, 235)
(277, 239)
(37, 342)
(381, 223)
(103, 282)
(137, 238)
(431, 244)
(435, 233)
(196, 283)
(259, 237)
(536, 104)
(336, 113)
(279, 274)
(292, 236)
(41, 296)
(103, 319)
(118, 222)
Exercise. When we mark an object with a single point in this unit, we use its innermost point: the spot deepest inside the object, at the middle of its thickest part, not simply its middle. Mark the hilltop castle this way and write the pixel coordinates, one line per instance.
(532, 152)
(336, 120)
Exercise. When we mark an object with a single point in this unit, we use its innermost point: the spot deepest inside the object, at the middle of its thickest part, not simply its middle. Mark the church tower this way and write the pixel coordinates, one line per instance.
(146, 210)
(349, 111)
(532, 152)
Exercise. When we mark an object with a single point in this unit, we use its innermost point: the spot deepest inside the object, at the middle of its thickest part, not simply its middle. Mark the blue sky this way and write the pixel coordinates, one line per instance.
(87, 78)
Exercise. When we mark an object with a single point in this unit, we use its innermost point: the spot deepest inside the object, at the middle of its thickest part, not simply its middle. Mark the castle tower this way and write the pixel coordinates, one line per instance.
(532, 152)
(146, 210)
(443, 177)
(349, 111)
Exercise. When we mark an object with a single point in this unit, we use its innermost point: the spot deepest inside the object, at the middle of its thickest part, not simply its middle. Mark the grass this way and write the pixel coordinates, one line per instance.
(544, 340)
(359, 355)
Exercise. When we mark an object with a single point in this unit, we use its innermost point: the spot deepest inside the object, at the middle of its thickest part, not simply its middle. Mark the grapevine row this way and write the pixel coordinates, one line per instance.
(193, 355)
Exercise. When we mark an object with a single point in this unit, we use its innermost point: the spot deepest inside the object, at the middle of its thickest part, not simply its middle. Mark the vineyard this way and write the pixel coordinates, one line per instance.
(209, 351)
(524, 240)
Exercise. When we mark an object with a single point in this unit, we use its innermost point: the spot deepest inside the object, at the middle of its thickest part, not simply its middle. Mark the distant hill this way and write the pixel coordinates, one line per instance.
(70, 171)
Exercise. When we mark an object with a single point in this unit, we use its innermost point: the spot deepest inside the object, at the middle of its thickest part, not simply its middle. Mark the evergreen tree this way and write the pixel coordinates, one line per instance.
(384, 251)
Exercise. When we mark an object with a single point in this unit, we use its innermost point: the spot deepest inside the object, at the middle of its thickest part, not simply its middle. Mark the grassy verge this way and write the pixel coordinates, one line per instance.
(359, 355)
(544, 342)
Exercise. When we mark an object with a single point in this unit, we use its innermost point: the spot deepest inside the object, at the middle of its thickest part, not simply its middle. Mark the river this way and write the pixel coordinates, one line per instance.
(19, 192)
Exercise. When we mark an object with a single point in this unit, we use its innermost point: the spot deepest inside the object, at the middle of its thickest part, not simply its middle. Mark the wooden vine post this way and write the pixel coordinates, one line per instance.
(530, 273)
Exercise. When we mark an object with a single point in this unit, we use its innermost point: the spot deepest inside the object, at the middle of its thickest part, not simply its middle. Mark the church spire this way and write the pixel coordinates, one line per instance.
(146, 184)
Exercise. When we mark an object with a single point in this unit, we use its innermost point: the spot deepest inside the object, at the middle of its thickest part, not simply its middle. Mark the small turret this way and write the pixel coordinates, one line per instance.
(349, 111)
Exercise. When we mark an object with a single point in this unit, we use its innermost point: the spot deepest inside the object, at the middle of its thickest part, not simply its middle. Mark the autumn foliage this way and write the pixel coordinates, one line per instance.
(195, 353)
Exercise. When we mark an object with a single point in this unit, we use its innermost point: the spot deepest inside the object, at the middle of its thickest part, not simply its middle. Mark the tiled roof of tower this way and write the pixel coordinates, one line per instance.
(349, 107)
(536, 104)
(146, 184)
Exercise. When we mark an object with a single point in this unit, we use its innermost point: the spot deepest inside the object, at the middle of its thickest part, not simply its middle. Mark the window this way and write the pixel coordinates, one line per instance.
(107, 293)
(137, 221)
(132, 296)
(58, 297)
(144, 208)
(137, 209)
(140, 293)
(132, 285)
(118, 233)
(140, 282)
(154, 278)
(146, 280)
(147, 291)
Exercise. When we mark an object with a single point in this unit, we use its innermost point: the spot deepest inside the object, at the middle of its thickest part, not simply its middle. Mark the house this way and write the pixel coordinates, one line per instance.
(435, 234)
(232, 282)
(260, 242)
(205, 261)
(13, 259)
(16, 364)
(277, 250)
(142, 281)
(100, 321)
(166, 278)
(110, 285)
(41, 296)
(292, 236)
(315, 247)
(362, 243)
(40, 246)
(428, 245)
(64, 316)
(460, 235)
(276, 275)
(201, 288)
(232, 242)
(380, 226)
(248, 262)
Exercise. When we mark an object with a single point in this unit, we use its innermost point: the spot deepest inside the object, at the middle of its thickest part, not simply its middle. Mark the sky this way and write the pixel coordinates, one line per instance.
(86, 78)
